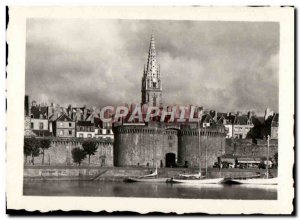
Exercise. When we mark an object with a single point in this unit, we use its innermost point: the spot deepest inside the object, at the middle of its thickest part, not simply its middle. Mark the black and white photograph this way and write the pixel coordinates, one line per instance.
(155, 108)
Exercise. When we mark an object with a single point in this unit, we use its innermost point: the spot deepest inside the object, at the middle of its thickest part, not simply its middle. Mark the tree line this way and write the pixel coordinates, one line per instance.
(33, 147)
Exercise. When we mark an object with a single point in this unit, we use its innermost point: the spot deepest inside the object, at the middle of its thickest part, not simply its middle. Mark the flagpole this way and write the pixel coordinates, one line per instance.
(199, 141)
(268, 138)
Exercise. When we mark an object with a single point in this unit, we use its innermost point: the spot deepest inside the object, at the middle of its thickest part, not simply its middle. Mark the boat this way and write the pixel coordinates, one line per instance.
(151, 178)
(148, 180)
(256, 181)
(198, 181)
(195, 176)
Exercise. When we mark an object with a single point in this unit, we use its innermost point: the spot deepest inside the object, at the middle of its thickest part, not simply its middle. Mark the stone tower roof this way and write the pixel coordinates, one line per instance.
(152, 67)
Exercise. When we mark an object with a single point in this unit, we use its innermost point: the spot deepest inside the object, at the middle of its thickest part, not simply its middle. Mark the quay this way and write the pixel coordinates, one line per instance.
(118, 174)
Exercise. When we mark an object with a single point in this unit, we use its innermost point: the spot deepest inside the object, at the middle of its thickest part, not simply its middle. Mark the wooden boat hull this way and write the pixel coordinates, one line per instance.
(256, 181)
(198, 181)
(148, 180)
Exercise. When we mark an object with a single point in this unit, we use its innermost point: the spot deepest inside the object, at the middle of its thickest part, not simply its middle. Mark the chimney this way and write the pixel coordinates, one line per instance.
(249, 115)
(27, 106)
(84, 114)
(216, 116)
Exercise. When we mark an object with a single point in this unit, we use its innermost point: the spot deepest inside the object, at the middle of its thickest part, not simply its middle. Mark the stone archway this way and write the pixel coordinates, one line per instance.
(170, 159)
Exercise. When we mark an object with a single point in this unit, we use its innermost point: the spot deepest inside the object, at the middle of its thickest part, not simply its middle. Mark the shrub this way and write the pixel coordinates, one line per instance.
(78, 155)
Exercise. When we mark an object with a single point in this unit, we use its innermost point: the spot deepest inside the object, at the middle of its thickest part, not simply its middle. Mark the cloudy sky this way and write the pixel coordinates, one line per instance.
(226, 66)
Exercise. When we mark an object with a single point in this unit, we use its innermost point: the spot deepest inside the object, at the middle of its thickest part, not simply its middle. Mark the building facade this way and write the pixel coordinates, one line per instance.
(103, 129)
(85, 129)
(242, 126)
(274, 126)
(64, 127)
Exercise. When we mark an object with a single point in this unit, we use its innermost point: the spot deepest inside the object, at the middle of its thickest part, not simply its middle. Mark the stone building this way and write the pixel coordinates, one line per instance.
(27, 120)
(36, 119)
(242, 125)
(85, 129)
(103, 129)
(167, 145)
(63, 126)
(274, 126)
(237, 125)
(39, 120)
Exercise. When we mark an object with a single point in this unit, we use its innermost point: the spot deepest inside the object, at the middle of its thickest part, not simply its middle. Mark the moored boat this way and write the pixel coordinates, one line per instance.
(256, 181)
(197, 181)
(144, 179)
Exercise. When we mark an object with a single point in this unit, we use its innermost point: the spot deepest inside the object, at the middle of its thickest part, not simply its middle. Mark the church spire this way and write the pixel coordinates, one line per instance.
(151, 82)
(152, 65)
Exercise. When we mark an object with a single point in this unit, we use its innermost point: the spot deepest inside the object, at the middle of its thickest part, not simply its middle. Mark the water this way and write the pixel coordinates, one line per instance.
(150, 190)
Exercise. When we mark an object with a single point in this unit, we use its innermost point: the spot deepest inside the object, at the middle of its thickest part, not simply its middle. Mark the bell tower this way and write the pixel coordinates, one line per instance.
(151, 81)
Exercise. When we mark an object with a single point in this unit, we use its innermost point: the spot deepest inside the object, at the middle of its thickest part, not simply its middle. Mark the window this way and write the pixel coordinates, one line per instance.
(81, 135)
(70, 132)
(108, 131)
(154, 101)
(61, 132)
(41, 125)
(31, 125)
(100, 131)
(89, 135)
(60, 124)
(70, 124)
(170, 137)
(154, 85)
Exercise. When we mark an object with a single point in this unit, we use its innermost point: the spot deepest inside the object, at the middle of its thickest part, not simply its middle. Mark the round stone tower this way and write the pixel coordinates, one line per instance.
(146, 146)
(208, 147)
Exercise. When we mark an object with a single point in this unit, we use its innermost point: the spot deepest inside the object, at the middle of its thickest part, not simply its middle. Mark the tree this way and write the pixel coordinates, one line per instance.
(78, 155)
(35, 151)
(44, 145)
(27, 148)
(90, 147)
(31, 148)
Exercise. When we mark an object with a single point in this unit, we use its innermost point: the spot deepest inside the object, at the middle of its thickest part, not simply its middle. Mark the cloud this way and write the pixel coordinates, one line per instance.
(226, 66)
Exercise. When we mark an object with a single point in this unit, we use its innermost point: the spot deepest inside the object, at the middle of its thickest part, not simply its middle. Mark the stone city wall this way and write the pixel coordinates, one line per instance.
(60, 153)
(250, 148)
